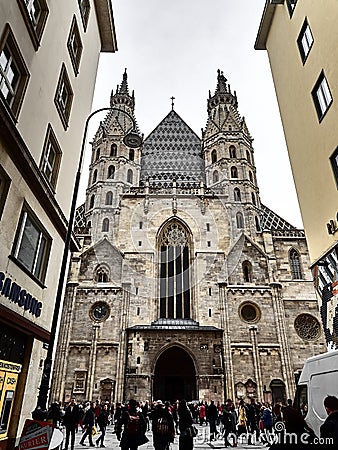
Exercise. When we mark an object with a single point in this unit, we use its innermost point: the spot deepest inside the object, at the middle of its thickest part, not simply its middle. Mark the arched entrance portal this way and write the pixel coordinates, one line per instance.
(175, 376)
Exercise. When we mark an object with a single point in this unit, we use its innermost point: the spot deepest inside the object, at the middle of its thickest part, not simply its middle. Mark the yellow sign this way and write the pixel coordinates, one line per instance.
(9, 373)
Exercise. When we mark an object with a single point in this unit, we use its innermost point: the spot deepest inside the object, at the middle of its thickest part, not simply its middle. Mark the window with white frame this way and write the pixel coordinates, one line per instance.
(51, 157)
(13, 72)
(84, 6)
(74, 45)
(291, 5)
(334, 164)
(35, 14)
(5, 181)
(321, 95)
(64, 97)
(305, 41)
(32, 244)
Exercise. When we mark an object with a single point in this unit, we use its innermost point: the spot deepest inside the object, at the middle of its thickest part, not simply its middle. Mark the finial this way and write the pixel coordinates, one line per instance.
(172, 103)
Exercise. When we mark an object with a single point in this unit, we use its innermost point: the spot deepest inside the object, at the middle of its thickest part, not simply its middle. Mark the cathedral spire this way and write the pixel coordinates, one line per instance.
(122, 96)
(124, 85)
(221, 87)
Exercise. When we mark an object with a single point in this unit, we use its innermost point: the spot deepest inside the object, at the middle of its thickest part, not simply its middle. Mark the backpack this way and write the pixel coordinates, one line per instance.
(133, 425)
(162, 426)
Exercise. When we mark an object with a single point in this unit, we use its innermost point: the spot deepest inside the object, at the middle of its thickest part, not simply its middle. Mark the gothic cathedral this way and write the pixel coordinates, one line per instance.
(186, 285)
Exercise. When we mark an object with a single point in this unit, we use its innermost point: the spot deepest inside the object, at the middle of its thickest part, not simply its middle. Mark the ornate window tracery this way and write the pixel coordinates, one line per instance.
(295, 266)
(174, 272)
(307, 327)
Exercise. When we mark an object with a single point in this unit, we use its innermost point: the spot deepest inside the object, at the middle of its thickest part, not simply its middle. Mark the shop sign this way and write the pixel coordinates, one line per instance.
(19, 295)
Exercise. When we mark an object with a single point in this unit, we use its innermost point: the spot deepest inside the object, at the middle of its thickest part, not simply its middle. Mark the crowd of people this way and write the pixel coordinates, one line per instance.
(251, 422)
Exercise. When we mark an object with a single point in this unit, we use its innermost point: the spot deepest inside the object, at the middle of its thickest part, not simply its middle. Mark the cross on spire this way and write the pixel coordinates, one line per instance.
(172, 102)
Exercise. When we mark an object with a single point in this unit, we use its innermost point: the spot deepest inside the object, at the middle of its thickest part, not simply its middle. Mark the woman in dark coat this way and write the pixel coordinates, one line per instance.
(186, 441)
(163, 428)
(134, 427)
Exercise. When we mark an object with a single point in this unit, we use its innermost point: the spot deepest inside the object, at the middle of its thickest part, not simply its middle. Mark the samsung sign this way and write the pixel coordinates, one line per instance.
(17, 294)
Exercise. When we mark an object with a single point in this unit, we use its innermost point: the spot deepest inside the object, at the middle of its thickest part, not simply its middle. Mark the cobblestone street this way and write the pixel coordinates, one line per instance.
(200, 442)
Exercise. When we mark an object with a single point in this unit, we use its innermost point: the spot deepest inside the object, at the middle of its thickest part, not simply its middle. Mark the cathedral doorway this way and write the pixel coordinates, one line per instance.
(175, 376)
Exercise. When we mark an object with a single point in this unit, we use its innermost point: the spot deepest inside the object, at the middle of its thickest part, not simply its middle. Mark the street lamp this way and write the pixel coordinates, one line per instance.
(133, 140)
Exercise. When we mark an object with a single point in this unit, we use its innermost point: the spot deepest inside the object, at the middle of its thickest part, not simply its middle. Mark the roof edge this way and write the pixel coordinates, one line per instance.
(265, 24)
(106, 25)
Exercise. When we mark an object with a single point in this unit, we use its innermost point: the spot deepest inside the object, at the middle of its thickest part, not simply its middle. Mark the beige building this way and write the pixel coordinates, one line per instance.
(185, 284)
(300, 38)
(49, 54)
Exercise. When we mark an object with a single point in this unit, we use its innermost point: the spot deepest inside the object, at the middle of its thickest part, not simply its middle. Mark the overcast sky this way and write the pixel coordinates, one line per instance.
(174, 48)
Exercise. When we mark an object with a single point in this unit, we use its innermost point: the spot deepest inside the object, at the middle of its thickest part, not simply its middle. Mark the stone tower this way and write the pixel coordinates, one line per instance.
(185, 284)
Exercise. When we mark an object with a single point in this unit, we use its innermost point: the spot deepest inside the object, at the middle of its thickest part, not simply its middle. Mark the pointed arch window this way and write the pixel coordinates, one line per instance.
(250, 176)
(102, 275)
(98, 151)
(94, 176)
(237, 195)
(105, 225)
(111, 172)
(113, 150)
(248, 157)
(234, 172)
(295, 266)
(247, 271)
(232, 151)
(174, 272)
(213, 156)
(91, 202)
(109, 198)
(215, 177)
(253, 197)
(258, 225)
(131, 154)
(239, 220)
(130, 176)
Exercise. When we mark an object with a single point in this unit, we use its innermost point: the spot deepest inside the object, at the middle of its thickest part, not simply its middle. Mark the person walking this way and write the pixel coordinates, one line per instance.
(186, 441)
(70, 421)
(242, 418)
(134, 427)
(163, 428)
(253, 419)
(102, 421)
(212, 416)
(329, 429)
(202, 413)
(88, 422)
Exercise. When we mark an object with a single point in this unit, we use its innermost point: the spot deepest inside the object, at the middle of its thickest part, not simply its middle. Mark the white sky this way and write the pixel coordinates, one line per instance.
(174, 48)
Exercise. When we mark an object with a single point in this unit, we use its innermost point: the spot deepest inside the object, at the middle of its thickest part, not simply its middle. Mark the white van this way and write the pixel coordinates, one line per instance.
(318, 379)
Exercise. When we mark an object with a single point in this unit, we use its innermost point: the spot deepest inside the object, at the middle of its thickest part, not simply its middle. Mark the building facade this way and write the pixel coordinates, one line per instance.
(49, 55)
(299, 37)
(185, 284)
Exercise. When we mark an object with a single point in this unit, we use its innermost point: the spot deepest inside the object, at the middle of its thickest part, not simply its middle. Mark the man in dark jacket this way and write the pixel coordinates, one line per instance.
(329, 429)
(70, 421)
(89, 422)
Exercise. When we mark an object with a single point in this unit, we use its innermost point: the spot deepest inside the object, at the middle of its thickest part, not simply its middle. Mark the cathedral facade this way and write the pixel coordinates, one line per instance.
(186, 285)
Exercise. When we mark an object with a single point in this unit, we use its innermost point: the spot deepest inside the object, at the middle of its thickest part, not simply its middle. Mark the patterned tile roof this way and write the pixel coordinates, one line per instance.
(172, 152)
(272, 221)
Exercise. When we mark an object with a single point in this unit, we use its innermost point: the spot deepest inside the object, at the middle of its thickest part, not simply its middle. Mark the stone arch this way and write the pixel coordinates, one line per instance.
(175, 371)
